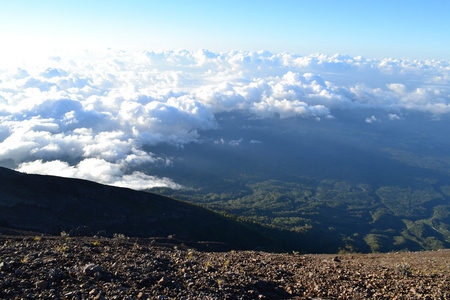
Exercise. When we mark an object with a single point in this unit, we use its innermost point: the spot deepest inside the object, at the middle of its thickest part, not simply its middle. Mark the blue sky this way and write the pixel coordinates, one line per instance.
(410, 29)
(89, 114)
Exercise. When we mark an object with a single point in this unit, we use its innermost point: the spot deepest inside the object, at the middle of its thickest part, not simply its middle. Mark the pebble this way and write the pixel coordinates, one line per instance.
(42, 284)
(4, 266)
(164, 281)
(122, 269)
(91, 269)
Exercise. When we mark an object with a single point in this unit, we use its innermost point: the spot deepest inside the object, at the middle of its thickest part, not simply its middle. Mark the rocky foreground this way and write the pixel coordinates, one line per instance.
(121, 268)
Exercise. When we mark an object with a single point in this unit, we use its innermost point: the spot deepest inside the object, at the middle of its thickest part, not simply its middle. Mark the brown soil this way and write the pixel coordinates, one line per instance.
(100, 268)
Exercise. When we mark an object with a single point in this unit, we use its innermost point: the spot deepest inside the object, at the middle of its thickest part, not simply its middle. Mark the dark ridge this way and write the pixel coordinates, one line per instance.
(51, 205)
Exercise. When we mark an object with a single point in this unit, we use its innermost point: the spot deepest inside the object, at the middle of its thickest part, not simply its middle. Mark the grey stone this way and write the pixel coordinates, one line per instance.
(91, 269)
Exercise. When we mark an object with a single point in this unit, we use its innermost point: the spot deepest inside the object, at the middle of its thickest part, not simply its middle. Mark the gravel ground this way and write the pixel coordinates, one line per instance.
(102, 268)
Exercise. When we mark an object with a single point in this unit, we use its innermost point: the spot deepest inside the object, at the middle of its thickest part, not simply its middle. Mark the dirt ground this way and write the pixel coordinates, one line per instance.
(35, 267)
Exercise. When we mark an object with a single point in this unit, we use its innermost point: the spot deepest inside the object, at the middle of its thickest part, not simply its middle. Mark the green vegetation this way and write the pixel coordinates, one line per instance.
(341, 215)
(335, 185)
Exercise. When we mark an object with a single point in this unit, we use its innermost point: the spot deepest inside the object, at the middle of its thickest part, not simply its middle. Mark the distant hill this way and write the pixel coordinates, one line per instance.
(352, 187)
(50, 205)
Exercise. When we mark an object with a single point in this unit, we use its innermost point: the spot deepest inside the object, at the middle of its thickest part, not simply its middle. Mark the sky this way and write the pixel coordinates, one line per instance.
(87, 87)
(380, 29)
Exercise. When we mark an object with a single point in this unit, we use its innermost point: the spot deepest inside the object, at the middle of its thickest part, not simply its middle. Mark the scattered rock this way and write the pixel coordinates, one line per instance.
(164, 281)
(336, 259)
(138, 269)
(91, 269)
(141, 295)
(4, 266)
(42, 284)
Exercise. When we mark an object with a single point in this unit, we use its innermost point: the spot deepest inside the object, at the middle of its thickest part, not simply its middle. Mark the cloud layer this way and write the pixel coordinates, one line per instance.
(91, 115)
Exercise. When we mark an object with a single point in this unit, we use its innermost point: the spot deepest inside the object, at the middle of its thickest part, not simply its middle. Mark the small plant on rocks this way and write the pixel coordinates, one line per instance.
(62, 248)
(119, 236)
(404, 269)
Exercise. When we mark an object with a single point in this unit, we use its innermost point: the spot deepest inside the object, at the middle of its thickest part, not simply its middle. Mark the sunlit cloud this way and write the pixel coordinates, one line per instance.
(90, 115)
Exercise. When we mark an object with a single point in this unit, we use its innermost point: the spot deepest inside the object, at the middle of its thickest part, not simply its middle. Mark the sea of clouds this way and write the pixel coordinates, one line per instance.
(89, 115)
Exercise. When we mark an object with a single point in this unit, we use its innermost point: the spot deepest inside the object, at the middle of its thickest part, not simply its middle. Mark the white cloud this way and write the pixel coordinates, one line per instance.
(97, 170)
(90, 115)
(371, 119)
(397, 88)
(235, 142)
(393, 117)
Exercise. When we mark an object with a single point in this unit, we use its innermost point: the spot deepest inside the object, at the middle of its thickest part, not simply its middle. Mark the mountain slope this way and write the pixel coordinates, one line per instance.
(50, 205)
